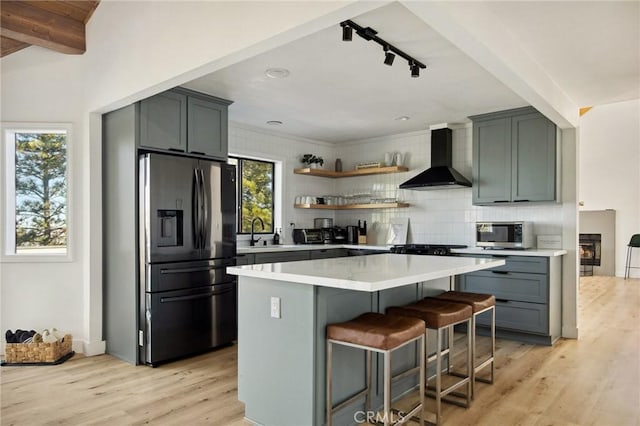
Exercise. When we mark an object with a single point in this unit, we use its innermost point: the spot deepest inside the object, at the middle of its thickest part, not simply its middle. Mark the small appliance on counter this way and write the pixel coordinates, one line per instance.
(339, 235)
(323, 223)
(308, 236)
(504, 235)
(426, 249)
(352, 235)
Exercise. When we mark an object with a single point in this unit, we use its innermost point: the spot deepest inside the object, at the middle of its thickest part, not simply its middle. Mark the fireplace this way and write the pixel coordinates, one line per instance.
(590, 252)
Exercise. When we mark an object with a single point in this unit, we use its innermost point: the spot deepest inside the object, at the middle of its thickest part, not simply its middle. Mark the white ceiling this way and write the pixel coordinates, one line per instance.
(341, 91)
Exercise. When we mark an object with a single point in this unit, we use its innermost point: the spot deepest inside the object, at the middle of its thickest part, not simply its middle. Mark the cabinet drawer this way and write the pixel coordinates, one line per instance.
(288, 256)
(507, 285)
(519, 316)
(525, 264)
(328, 253)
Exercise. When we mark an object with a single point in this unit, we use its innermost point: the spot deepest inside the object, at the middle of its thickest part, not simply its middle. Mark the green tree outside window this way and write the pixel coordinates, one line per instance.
(255, 194)
(41, 190)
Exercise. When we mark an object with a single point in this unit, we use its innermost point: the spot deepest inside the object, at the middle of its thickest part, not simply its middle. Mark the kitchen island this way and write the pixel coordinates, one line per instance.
(283, 309)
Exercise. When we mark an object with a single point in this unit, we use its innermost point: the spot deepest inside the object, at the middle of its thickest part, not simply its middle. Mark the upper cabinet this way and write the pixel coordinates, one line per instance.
(514, 157)
(181, 120)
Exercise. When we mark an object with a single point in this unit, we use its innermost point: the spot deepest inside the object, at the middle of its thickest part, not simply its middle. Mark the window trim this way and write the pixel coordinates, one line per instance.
(7, 180)
(274, 218)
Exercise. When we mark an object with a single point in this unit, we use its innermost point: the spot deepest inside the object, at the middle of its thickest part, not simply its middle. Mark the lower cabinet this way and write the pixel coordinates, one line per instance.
(528, 297)
(290, 256)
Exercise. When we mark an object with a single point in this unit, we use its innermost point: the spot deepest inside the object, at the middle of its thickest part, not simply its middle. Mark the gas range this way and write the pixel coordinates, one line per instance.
(426, 249)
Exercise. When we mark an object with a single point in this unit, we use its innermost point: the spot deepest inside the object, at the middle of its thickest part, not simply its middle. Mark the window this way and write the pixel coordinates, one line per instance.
(36, 189)
(255, 194)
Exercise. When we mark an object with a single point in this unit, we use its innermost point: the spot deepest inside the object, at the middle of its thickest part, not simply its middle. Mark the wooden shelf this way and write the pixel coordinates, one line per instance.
(362, 172)
(352, 206)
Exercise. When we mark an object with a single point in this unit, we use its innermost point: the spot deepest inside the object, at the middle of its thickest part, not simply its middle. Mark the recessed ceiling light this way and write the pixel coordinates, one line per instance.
(274, 123)
(277, 72)
(402, 118)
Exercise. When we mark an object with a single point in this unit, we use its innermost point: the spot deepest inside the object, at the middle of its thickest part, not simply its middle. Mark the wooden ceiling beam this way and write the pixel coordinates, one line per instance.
(27, 23)
(9, 45)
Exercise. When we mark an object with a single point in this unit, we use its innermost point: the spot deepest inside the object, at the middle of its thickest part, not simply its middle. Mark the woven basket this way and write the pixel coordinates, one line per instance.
(27, 353)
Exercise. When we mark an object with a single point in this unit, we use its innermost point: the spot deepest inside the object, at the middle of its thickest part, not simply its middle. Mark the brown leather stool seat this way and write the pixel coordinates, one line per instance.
(477, 301)
(442, 315)
(375, 332)
(480, 303)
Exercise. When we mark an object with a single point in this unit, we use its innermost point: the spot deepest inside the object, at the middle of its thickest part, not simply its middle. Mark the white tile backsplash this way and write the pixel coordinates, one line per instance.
(438, 216)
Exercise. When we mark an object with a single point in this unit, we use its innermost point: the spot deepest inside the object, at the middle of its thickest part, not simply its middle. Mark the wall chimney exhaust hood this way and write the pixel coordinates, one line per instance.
(441, 175)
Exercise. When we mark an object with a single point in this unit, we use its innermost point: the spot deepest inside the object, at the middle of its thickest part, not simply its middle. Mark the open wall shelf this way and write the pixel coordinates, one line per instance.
(352, 206)
(361, 172)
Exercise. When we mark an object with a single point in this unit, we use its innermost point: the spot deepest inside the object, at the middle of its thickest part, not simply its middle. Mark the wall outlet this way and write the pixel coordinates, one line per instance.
(275, 307)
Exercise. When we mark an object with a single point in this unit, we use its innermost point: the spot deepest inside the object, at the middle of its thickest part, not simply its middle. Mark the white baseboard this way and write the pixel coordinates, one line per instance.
(570, 332)
(90, 348)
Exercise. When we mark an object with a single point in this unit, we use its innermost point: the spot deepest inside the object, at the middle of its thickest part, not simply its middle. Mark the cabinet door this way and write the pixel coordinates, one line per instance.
(519, 316)
(163, 121)
(534, 158)
(508, 285)
(492, 161)
(207, 128)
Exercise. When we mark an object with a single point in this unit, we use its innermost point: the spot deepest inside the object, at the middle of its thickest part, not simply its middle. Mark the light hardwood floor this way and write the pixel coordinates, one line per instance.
(593, 380)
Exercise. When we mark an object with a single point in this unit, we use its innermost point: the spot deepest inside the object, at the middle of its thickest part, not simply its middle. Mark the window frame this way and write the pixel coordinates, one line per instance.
(7, 179)
(274, 165)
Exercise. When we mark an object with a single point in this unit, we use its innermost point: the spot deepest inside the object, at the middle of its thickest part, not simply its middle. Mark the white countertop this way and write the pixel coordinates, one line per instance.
(302, 247)
(366, 273)
(500, 252)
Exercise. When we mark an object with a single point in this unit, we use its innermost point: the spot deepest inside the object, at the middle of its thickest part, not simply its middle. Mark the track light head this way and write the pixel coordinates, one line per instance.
(388, 58)
(347, 33)
(415, 70)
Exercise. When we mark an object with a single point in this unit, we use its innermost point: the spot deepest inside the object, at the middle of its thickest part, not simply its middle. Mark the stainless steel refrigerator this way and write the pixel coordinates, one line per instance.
(187, 223)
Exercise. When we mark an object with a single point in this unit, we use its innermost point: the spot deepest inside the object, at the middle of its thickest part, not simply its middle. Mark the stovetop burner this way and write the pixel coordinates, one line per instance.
(426, 249)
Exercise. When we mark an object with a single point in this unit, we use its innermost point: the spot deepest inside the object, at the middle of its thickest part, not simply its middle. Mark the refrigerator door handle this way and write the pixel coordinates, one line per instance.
(205, 209)
(195, 269)
(196, 208)
(193, 296)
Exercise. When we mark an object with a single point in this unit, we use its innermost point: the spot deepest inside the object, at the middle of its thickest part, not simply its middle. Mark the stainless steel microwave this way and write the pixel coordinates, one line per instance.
(504, 235)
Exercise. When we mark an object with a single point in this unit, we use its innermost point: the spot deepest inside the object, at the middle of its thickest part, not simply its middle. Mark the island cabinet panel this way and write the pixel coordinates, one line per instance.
(163, 122)
(514, 157)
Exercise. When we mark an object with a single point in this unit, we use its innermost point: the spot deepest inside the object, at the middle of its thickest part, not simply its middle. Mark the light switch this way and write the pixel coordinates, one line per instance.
(275, 307)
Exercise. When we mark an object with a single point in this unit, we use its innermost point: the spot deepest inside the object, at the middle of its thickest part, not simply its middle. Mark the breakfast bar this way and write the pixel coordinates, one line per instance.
(283, 310)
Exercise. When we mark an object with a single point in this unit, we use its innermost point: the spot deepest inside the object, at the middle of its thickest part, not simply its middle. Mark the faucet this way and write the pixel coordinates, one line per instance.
(253, 242)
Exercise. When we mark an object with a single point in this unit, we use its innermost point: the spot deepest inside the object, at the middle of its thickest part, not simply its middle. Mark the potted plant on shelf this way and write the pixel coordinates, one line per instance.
(312, 161)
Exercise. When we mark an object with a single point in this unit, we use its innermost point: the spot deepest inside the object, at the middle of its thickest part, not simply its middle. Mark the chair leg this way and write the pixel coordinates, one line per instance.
(627, 264)
(387, 388)
(329, 384)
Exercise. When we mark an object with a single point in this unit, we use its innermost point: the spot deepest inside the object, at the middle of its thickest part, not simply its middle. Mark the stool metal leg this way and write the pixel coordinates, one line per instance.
(438, 376)
(367, 403)
(329, 385)
(387, 388)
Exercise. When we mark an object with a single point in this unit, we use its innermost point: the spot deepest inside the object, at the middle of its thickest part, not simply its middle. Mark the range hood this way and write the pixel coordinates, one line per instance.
(441, 175)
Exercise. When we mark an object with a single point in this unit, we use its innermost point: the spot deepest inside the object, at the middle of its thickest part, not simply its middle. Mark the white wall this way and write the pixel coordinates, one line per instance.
(610, 170)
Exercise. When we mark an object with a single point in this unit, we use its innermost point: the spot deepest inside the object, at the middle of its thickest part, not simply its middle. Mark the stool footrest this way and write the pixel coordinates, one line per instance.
(349, 400)
(451, 388)
(410, 372)
(484, 364)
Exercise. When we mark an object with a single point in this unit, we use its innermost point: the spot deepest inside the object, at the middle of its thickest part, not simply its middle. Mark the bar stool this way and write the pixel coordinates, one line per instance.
(634, 243)
(441, 315)
(479, 303)
(375, 332)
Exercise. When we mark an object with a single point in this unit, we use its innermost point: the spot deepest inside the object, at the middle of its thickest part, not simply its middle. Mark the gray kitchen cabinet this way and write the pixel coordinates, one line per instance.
(182, 120)
(163, 120)
(207, 127)
(328, 253)
(282, 256)
(528, 297)
(245, 259)
(514, 157)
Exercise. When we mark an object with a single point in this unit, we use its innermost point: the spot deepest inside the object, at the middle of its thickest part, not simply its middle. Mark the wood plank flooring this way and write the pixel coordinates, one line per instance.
(591, 381)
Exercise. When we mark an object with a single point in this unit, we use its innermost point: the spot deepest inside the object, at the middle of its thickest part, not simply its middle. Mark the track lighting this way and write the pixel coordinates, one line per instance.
(390, 51)
(388, 56)
(347, 33)
(415, 70)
